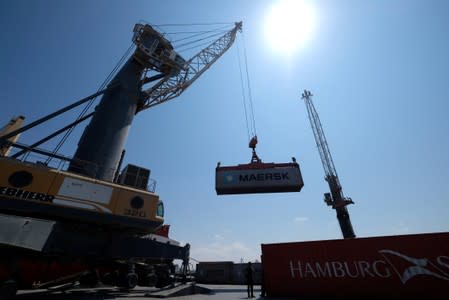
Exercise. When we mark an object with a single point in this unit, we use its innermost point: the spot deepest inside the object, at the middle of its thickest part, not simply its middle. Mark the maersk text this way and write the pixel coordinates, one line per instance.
(264, 177)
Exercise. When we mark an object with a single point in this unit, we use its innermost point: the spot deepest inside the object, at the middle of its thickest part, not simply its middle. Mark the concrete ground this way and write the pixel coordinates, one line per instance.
(219, 292)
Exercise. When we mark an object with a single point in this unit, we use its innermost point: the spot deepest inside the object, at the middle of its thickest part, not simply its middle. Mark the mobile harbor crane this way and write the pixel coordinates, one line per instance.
(335, 198)
(92, 219)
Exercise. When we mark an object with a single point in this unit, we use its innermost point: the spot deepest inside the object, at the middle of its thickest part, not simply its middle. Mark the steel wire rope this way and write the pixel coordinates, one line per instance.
(89, 104)
(194, 47)
(159, 26)
(242, 86)
(192, 24)
(249, 88)
(185, 32)
(207, 43)
(202, 39)
(197, 33)
(218, 30)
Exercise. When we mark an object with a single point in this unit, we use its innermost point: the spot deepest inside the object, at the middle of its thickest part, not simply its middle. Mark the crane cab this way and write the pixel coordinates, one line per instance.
(156, 52)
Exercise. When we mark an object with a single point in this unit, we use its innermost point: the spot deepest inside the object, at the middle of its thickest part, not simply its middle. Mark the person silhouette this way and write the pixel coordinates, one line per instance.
(249, 272)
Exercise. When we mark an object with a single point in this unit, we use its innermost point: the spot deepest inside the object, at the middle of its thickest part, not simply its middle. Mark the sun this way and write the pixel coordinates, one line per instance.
(289, 25)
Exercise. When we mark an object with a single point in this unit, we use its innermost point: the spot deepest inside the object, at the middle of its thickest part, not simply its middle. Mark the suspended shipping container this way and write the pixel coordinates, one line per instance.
(405, 267)
(258, 178)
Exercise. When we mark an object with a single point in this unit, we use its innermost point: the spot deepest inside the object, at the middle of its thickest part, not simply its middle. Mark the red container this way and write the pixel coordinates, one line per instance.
(389, 267)
(163, 231)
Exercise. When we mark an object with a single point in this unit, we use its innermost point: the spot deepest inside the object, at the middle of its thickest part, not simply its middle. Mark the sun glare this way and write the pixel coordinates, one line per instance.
(289, 25)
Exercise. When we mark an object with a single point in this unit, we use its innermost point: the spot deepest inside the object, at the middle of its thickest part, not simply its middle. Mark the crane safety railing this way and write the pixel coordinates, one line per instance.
(60, 162)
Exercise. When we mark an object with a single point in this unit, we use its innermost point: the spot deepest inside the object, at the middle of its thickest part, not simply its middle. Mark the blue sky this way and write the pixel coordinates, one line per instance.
(379, 72)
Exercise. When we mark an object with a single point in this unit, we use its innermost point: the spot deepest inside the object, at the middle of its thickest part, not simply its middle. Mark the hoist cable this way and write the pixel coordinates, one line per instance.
(243, 94)
(253, 118)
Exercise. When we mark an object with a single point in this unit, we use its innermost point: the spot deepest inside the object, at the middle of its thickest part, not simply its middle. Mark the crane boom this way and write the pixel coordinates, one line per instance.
(320, 138)
(114, 115)
(335, 198)
(171, 87)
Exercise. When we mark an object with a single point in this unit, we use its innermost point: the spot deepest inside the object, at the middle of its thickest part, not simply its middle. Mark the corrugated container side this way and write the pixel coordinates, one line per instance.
(391, 266)
(258, 178)
(239, 277)
(214, 272)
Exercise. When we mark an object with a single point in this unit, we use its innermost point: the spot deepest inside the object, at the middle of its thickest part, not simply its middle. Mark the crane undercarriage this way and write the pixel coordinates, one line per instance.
(32, 246)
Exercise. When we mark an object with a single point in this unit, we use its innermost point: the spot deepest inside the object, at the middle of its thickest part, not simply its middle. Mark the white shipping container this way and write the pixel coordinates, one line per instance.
(258, 178)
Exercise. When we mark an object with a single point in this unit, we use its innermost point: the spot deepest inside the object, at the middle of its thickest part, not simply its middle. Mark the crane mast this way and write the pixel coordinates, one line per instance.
(100, 147)
(335, 198)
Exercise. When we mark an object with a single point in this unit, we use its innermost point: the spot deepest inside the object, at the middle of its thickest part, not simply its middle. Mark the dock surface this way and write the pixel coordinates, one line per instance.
(218, 292)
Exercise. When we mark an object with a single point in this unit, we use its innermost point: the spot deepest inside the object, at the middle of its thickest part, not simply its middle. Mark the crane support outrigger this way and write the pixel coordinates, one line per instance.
(335, 198)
